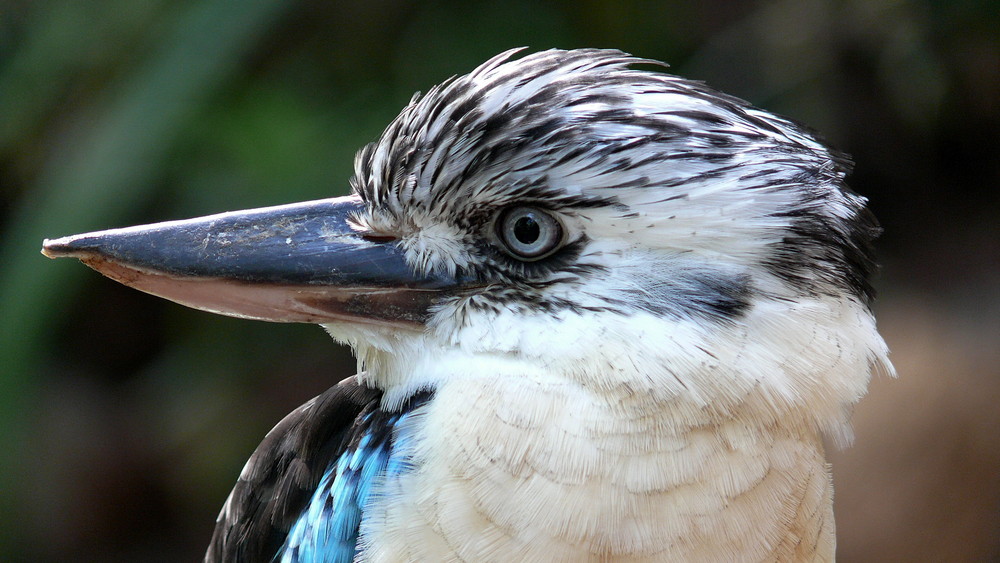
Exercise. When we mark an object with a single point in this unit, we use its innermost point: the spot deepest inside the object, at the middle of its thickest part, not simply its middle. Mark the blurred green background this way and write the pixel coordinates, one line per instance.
(125, 419)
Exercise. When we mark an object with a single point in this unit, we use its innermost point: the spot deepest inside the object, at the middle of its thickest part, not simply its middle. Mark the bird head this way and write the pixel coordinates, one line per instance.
(567, 216)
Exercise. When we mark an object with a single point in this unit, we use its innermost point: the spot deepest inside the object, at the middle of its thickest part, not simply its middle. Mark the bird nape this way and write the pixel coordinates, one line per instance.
(602, 313)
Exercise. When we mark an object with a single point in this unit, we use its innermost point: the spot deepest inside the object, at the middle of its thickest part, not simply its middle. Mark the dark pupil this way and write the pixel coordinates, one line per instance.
(526, 229)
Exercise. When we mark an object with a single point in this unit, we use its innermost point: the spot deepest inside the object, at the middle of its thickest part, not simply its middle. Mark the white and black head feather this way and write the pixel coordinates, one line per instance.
(708, 248)
(729, 192)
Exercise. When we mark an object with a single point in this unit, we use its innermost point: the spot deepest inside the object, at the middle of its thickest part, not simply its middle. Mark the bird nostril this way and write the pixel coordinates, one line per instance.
(373, 237)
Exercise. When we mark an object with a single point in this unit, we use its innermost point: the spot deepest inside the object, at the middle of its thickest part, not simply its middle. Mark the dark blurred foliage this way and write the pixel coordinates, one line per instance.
(125, 419)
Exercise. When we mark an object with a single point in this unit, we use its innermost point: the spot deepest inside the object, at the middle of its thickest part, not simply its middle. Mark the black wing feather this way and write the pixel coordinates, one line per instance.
(283, 472)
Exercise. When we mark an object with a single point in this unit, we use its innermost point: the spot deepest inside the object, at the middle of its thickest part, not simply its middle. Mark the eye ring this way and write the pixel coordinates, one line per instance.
(529, 233)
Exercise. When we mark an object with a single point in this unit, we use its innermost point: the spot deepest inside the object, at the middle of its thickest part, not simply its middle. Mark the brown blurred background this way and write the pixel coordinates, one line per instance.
(125, 419)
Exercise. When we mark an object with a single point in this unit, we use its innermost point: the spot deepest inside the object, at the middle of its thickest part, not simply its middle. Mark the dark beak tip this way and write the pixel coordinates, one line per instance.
(65, 247)
(54, 248)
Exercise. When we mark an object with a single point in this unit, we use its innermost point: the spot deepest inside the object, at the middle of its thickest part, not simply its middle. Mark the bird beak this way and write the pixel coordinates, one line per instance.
(303, 262)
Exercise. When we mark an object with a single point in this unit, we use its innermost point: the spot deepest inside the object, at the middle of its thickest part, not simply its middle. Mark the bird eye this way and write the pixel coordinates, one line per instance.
(529, 233)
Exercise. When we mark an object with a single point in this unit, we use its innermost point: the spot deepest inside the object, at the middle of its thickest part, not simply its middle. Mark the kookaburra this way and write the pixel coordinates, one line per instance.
(601, 313)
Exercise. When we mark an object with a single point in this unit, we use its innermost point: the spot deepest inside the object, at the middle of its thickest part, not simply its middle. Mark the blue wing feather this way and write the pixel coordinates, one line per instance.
(328, 529)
